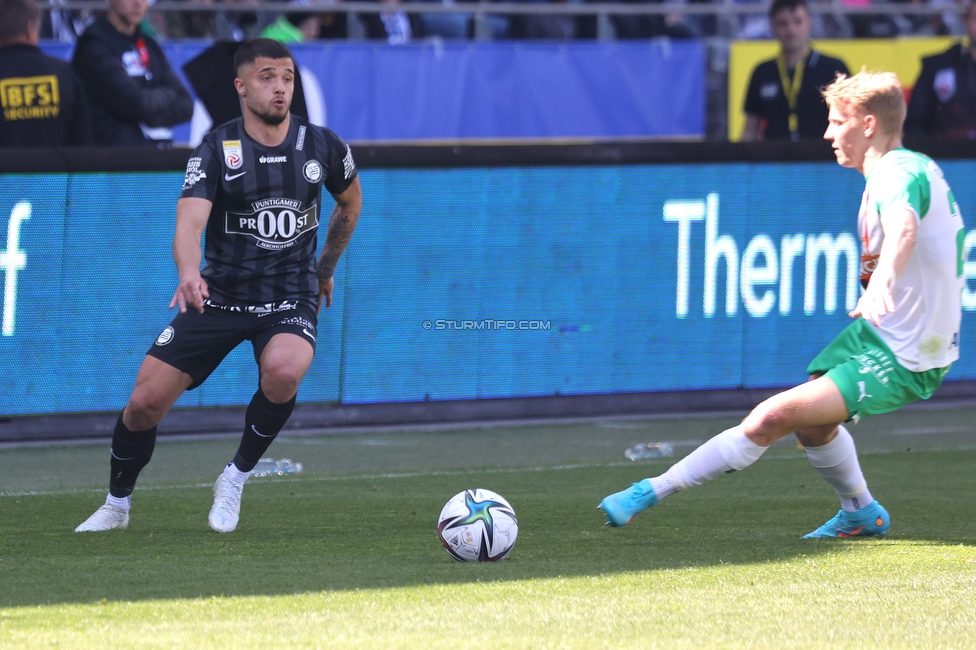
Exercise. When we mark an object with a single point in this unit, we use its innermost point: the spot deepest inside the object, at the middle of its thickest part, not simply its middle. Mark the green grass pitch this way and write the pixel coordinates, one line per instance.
(346, 554)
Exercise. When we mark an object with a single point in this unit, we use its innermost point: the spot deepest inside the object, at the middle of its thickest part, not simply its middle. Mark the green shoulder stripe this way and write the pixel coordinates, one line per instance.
(901, 179)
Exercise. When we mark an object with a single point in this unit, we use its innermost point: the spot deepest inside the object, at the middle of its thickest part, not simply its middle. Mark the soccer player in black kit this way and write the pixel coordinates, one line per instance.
(254, 184)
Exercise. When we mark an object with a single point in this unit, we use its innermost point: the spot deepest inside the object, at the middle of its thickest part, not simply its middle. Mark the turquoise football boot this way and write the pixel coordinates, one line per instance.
(868, 521)
(621, 507)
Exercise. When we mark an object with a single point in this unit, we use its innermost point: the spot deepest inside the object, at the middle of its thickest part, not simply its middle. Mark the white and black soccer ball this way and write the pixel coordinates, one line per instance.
(478, 526)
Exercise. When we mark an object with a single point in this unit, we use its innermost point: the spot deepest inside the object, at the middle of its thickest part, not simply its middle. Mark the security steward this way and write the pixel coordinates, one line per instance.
(43, 101)
(783, 101)
(943, 101)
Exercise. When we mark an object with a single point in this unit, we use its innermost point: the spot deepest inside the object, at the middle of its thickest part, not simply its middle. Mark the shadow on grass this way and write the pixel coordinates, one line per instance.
(312, 535)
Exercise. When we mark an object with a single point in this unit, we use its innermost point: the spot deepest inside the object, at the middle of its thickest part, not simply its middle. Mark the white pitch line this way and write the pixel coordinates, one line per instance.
(453, 472)
(353, 477)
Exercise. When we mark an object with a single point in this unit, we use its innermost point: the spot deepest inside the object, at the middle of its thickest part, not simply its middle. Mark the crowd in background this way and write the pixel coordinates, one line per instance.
(241, 20)
(121, 74)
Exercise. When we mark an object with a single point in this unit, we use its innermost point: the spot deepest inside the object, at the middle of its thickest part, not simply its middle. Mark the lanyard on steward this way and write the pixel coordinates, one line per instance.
(792, 89)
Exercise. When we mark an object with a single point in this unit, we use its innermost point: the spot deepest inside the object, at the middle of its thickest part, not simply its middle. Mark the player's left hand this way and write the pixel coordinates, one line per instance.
(325, 291)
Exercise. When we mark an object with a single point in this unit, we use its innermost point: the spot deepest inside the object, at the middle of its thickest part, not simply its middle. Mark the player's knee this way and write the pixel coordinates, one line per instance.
(143, 411)
(280, 382)
(815, 436)
(766, 424)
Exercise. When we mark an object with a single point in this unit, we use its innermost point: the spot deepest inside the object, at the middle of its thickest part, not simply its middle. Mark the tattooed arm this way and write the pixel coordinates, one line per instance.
(341, 225)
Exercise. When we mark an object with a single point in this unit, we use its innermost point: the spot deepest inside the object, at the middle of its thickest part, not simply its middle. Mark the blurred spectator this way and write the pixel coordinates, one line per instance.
(191, 24)
(43, 101)
(237, 25)
(446, 25)
(935, 24)
(135, 95)
(545, 26)
(673, 25)
(702, 25)
(951, 22)
(783, 99)
(943, 101)
(753, 26)
(293, 27)
(829, 22)
(392, 25)
(64, 25)
(333, 25)
(874, 25)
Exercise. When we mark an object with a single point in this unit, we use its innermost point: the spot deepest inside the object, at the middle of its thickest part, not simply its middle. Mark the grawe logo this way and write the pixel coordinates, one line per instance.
(13, 260)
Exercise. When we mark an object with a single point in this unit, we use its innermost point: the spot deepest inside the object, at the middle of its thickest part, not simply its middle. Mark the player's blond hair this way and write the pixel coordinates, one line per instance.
(872, 93)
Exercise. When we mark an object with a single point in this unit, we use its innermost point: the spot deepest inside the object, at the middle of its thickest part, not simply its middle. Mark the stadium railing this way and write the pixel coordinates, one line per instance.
(726, 12)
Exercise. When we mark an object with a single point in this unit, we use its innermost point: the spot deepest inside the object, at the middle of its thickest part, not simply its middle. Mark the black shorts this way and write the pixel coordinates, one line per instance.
(197, 343)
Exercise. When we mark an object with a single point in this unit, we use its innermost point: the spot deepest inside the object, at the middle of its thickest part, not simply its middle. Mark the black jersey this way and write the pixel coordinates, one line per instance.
(766, 99)
(261, 239)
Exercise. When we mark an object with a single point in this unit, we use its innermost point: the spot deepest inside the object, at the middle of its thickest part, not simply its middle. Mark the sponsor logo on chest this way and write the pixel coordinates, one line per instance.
(274, 224)
(272, 159)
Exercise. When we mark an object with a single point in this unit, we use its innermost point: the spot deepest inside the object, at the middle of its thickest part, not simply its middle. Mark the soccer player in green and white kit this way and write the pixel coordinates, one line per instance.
(904, 338)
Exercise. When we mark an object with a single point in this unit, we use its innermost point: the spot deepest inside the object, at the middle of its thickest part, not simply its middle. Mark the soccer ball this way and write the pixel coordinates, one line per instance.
(477, 526)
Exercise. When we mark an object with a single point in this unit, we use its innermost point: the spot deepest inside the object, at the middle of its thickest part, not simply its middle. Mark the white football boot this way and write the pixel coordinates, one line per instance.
(227, 504)
(105, 518)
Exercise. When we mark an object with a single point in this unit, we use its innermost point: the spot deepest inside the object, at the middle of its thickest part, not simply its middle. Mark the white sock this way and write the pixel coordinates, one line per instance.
(122, 503)
(236, 474)
(663, 487)
(837, 463)
(728, 451)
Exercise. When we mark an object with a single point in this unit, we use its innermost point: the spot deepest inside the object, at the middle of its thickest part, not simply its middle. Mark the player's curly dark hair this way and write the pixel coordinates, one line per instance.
(261, 47)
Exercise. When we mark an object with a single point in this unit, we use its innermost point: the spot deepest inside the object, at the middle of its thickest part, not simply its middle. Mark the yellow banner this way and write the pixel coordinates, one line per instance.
(902, 56)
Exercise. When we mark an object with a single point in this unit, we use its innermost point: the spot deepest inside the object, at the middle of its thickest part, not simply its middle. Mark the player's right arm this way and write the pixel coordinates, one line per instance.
(200, 185)
(898, 197)
(192, 215)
